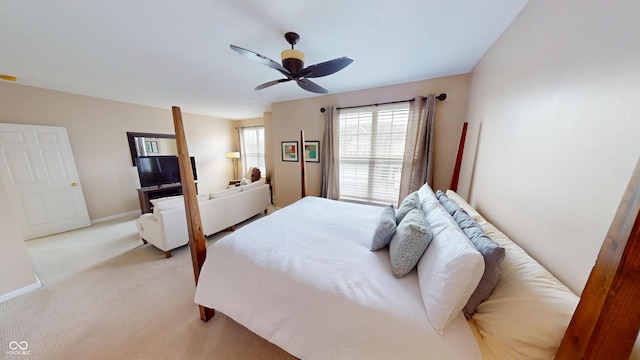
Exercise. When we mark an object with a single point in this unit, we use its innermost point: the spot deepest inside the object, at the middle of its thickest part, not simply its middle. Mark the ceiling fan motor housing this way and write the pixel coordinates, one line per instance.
(292, 60)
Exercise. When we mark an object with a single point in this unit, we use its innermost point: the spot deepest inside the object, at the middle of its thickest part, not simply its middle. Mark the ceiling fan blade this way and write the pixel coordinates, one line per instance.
(261, 59)
(271, 83)
(311, 86)
(325, 68)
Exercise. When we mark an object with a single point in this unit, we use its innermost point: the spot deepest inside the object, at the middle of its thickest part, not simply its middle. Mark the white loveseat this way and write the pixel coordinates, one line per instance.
(166, 227)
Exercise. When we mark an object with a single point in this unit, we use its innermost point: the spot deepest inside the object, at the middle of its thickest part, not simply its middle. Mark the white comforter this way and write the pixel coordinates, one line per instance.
(305, 279)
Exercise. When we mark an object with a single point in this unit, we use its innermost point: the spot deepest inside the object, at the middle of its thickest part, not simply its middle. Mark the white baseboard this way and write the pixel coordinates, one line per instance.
(19, 292)
(114, 217)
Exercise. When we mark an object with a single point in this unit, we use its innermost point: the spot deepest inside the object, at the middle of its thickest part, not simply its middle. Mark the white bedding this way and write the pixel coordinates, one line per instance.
(305, 279)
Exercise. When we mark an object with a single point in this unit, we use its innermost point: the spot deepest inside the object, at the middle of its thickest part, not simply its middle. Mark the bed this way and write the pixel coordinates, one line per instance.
(342, 311)
(317, 290)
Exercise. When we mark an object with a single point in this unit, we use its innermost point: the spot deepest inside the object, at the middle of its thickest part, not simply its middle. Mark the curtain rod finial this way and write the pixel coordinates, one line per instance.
(442, 97)
(322, 109)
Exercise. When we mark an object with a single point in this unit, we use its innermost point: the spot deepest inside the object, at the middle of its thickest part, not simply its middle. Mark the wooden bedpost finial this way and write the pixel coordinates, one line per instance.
(456, 169)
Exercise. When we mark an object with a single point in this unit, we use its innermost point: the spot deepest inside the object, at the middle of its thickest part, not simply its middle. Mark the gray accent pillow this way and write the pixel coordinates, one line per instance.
(446, 202)
(492, 253)
(385, 229)
(466, 223)
(412, 201)
(409, 243)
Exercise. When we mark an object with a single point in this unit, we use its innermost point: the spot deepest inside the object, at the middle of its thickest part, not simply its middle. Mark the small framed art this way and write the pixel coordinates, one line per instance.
(152, 147)
(289, 151)
(312, 151)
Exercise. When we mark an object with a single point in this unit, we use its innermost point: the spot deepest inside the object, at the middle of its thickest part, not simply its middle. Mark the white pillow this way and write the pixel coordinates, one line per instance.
(450, 269)
(154, 202)
(252, 185)
(166, 203)
(171, 202)
(225, 192)
(428, 199)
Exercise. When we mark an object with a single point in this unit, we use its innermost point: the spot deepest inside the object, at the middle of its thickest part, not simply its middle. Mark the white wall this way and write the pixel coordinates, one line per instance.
(555, 117)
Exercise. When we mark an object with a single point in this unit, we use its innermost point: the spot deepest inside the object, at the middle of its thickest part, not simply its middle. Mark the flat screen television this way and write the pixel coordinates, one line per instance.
(160, 170)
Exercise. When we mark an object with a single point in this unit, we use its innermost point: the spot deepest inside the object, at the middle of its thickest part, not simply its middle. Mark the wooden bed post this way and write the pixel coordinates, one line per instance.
(456, 169)
(606, 322)
(197, 242)
(303, 175)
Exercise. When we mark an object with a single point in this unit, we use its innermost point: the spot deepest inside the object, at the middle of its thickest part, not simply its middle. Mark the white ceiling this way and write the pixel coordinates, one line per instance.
(163, 53)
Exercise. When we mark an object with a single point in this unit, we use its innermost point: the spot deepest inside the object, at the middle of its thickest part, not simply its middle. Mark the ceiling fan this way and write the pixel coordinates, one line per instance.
(293, 66)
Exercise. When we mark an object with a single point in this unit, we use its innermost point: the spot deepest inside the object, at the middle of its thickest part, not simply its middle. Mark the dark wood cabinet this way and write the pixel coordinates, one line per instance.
(145, 195)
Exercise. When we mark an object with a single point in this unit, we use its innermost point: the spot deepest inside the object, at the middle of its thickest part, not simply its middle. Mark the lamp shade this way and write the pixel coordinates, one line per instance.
(233, 155)
(292, 54)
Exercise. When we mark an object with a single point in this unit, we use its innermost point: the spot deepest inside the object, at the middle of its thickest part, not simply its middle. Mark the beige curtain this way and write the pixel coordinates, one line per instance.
(330, 184)
(417, 164)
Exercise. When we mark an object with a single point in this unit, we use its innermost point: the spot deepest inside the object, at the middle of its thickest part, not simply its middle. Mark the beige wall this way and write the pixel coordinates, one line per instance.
(555, 117)
(16, 272)
(97, 131)
(289, 117)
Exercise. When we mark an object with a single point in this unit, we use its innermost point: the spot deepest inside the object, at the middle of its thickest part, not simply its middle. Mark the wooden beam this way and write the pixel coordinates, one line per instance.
(197, 242)
(303, 175)
(606, 322)
(456, 169)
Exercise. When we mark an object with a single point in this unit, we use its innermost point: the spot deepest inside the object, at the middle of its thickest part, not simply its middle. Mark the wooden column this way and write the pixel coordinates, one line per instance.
(606, 322)
(303, 175)
(456, 169)
(197, 242)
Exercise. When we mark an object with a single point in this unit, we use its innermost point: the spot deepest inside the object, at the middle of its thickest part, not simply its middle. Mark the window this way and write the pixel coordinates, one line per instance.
(252, 148)
(371, 151)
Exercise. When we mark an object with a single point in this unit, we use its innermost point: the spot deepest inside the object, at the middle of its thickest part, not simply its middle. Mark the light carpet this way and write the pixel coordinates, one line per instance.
(108, 296)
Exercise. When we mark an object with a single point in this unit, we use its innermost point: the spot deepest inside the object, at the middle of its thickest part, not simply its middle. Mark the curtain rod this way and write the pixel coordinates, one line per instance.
(440, 97)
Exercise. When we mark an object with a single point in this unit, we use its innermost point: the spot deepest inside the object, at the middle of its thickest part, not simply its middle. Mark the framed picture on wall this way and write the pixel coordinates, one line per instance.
(289, 151)
(312, 151)
(152, 147)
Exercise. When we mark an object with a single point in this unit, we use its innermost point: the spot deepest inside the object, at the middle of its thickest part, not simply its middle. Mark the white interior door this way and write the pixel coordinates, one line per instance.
(40, 177)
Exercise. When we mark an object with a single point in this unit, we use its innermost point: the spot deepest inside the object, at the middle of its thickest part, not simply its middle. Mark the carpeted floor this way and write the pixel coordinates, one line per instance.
(108, 296)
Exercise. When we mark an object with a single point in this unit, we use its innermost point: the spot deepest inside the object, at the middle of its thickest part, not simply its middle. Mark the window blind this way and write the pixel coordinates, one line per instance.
(252, 148)
(371, 151)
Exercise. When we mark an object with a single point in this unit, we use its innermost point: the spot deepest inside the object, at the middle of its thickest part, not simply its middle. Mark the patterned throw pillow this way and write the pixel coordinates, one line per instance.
(410, 241)
(412, 201)
(385, 229)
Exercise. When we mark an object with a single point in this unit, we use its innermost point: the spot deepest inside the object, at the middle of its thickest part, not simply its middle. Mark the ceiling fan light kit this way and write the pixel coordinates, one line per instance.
(293, 66)
(292, 60)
